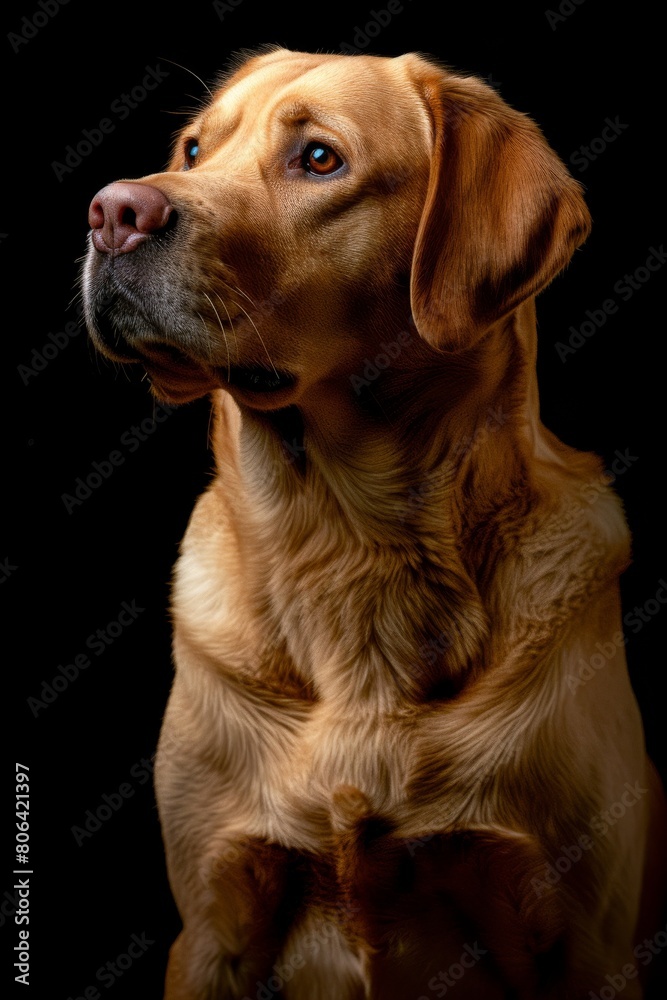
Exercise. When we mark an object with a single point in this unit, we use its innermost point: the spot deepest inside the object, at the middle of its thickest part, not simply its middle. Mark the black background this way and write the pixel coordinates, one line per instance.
(66, 574)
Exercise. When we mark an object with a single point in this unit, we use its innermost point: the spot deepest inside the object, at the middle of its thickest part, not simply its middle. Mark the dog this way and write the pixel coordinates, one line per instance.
(383, 770)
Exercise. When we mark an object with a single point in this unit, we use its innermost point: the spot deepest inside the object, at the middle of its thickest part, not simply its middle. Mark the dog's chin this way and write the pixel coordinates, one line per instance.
(257, 379)
(259, 387)
(167, 389)
(174, 376)
(177, 378)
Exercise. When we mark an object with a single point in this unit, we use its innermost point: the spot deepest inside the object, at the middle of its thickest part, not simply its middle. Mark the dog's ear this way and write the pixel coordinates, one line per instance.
(502, 214)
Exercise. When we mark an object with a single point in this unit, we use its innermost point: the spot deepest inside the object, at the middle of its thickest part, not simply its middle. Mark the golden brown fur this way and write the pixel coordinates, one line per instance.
(374, 758)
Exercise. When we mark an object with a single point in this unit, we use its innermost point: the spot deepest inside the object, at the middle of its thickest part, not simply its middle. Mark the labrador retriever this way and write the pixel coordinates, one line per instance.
(401, 753)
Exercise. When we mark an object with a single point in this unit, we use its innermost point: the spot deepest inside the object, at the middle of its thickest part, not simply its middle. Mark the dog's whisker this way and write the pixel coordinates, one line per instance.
(208, 342)
(240, 291)
(192, 73)
(229, 363)
(231, 323)
(250, 319)
(77, 295)
(209, 345)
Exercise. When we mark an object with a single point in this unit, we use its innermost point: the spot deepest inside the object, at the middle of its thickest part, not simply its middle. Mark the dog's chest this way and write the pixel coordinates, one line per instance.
(329, 644)
(362, 625)
(297, 594)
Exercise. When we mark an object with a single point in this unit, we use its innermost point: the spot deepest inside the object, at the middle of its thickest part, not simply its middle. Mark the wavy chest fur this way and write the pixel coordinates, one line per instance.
(322, 625)
(335, 614)
(361, 586)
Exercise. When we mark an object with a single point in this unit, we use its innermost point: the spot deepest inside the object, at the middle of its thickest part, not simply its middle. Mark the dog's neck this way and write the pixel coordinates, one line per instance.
(389, 485)
(391, 442)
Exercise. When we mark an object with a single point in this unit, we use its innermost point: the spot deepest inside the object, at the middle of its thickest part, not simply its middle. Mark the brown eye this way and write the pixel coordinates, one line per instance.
(191, 152)
(320, 159)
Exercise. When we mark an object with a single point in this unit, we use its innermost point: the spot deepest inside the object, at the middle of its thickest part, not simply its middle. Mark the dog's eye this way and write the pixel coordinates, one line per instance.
(191, 151)
(320, 159)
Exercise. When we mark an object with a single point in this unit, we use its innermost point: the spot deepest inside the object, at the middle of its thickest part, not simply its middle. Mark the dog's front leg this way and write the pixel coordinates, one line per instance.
(235, 929)
(450, 906)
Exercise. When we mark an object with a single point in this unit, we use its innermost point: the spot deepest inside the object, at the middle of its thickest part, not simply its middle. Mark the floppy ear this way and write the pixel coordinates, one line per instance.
(502, 214)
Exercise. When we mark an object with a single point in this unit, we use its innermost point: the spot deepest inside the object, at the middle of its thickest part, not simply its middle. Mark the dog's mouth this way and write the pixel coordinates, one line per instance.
(256, 378)
(176, 363)
(177, 375)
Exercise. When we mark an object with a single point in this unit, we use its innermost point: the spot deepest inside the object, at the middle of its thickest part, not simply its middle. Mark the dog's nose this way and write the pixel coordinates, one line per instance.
(123, 215)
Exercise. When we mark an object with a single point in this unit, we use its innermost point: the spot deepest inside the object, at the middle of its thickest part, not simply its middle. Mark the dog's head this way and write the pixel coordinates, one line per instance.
(313, 207)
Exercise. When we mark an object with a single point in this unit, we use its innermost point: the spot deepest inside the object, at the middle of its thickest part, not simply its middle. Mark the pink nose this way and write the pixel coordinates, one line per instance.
(124, 214)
